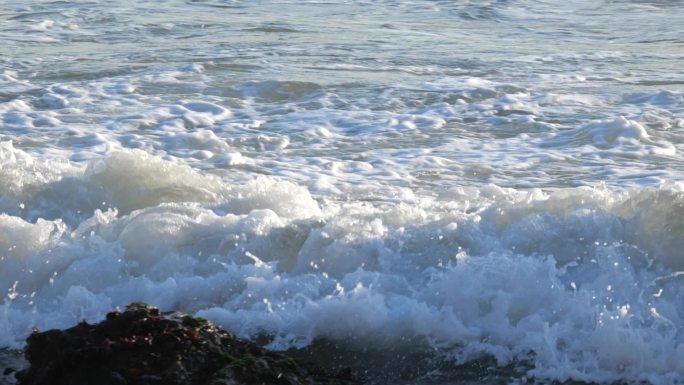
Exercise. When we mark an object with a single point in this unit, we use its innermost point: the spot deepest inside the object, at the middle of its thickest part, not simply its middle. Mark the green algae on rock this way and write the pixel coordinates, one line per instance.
(143, 346)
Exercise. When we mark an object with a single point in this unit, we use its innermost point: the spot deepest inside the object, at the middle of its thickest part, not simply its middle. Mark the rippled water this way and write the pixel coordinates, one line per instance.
(485, 179)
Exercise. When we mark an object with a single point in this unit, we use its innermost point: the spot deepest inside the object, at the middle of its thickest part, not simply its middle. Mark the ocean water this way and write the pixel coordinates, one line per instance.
(493, 181)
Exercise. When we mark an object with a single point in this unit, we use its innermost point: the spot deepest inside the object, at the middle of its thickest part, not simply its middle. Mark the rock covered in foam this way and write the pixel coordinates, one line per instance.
(145, 346)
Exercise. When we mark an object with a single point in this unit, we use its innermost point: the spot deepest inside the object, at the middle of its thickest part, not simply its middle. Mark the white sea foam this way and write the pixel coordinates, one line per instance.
(553, 277)
(497, 178)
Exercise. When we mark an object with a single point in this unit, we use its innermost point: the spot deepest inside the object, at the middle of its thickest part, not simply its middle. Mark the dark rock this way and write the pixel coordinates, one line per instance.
(143, 346)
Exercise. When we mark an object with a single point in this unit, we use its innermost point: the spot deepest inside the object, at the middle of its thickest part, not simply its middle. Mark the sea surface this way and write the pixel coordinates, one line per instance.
(495, 182)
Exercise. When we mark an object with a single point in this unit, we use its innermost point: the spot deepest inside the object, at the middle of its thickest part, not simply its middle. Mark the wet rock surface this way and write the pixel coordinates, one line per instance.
(143, 346)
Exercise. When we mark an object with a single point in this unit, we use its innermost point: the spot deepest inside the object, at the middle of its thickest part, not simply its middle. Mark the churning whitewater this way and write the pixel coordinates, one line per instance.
(499, 179)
